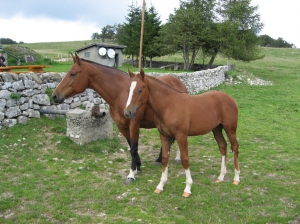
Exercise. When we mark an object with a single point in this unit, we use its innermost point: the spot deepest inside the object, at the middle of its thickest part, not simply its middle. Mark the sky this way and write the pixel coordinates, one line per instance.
(33, 21)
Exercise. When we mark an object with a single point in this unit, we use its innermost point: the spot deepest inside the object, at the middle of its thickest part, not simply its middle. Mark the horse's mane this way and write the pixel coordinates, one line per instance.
(166, 85)
(101, 65)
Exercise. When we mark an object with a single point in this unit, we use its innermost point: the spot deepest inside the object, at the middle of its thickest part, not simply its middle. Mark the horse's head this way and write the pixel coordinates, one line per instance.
(137, 94)
(75, 81)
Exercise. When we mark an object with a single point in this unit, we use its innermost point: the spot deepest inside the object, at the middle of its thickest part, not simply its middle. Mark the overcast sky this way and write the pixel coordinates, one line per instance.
(35, 21)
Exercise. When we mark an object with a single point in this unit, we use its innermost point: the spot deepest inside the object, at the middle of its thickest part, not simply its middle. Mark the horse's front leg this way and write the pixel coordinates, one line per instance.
(183, 145)
(135, 158)
(166, 146)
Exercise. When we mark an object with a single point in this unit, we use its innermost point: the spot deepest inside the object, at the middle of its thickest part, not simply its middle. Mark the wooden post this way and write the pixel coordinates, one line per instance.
(142, 35)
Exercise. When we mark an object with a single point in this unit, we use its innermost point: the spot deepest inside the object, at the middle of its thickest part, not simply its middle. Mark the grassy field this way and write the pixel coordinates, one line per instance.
(57, 49)
(46, 178)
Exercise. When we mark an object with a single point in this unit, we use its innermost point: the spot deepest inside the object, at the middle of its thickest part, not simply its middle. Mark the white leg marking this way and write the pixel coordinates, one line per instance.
(237, 175)
(223, 169)
(131, 174)
(163, 180)
(189, 181)
(132, 87)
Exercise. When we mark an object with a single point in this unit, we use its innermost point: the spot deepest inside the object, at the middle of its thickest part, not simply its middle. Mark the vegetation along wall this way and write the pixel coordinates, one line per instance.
(23, 96)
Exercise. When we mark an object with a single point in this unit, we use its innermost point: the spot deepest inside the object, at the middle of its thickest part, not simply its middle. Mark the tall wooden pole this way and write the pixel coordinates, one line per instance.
(142, 35)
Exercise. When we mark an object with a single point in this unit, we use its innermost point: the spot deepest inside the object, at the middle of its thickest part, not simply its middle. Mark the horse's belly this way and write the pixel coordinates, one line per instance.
(203, 125)
(200, 130)
(147, 124)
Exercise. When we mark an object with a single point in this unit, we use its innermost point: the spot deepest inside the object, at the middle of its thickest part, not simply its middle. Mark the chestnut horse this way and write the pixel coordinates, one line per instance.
(110, 84)
(179, 115)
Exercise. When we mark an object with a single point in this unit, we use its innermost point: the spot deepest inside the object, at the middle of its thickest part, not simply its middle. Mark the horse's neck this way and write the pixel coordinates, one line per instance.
(160, 95)
(108, 83)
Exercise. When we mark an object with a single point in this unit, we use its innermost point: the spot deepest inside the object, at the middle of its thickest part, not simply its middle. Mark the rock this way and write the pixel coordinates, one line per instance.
(41, 99)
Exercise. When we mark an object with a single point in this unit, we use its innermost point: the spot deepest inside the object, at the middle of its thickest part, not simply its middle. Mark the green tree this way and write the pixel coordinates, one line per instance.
(213, 27)
(95, 36)
(281, 43)
(236, 31)
(7, 41)
(266, 40)
(108, 32)
(129, 32)
(187, 29)
(151, 30)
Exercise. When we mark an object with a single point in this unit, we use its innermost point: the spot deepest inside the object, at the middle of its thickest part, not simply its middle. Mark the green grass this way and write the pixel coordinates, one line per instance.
(46, 178)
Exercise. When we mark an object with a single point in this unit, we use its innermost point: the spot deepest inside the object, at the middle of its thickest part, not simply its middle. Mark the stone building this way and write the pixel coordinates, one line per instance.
(102, 53)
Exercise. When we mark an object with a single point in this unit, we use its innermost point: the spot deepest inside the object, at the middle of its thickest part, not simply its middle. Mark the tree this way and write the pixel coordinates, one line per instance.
(129, 33)
(187, 29)
(7, 41)
(151, 30)
(108, 32)
(95, 36)
(268, 41)
(212, 27)
(237, 30)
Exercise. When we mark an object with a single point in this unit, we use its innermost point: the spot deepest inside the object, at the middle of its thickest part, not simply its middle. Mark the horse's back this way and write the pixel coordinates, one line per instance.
(174, 82)
(219, 100)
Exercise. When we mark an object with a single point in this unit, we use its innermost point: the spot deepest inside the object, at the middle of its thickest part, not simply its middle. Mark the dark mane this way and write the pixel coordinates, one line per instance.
(163, 83)
(92, 62)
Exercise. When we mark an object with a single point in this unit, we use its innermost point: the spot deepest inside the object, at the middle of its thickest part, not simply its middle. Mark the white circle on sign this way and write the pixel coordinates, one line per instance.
(111, 53)
(102, 51)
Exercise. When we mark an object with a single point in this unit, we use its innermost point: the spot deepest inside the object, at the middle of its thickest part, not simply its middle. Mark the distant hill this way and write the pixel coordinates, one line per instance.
(54, 49)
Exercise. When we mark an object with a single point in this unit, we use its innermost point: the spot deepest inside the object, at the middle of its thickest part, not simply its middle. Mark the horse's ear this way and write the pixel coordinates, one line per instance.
(77, 59)
(74, 58)
(131, 74)
(142, 73)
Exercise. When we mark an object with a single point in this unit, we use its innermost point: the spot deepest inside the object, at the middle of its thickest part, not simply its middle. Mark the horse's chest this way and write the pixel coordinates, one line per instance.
(119, 118)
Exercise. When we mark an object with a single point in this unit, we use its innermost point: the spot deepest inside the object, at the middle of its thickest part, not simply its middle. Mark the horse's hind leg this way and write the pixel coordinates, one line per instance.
(231, 133)
(223, 150)
(159, 159)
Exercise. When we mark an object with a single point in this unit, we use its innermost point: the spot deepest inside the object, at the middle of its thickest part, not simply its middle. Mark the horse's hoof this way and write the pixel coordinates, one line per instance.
(235, 182)
(186, 195)
(138, 172)
(177, 161)
(129, 180)
(156, 163)
(157, 191)
(219, 181)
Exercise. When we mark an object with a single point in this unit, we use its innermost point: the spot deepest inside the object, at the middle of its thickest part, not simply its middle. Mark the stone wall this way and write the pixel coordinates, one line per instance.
(200, 80)
(33, 90)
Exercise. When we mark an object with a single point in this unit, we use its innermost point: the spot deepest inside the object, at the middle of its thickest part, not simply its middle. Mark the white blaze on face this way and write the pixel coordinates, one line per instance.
(132, 87)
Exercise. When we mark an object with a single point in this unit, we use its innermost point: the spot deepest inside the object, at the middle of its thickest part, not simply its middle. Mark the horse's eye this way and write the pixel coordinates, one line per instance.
(72, 74)
(140, 91)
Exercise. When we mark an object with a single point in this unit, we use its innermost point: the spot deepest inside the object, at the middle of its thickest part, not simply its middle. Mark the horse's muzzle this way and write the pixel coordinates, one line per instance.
(129, 114)
(57, 99)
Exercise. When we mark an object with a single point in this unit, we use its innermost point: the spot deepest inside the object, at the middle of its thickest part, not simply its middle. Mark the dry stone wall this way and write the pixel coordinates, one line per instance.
(31, 91)
(200, 80)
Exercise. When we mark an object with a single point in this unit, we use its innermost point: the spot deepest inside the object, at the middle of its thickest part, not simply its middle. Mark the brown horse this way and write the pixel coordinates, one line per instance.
(110, 84)
(179, 115)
